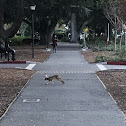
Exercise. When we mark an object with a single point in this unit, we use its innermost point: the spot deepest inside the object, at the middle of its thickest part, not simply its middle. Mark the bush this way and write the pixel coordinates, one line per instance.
(17, 40)
(64, 39)
(110, 47)
(100, 44)
(101, 59)
(97, 44)
(28, 31)
(121, 54)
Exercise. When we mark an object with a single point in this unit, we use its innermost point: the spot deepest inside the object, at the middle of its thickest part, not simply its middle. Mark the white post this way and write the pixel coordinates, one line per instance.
(124, 27)
(108, 35)
(108, 31)
(115, 32)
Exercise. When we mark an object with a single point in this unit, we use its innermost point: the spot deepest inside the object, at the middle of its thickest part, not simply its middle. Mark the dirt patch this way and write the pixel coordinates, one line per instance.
(115, 82)
(13, 80)
(11, 83)
(24, 53)
(40, 54)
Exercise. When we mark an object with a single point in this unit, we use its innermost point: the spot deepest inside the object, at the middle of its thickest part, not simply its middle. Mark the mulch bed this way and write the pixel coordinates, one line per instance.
(24, 53)
(11, 82)
(114, 80)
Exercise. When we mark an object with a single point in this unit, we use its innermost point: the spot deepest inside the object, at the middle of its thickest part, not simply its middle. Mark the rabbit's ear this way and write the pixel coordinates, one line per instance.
(45, 75)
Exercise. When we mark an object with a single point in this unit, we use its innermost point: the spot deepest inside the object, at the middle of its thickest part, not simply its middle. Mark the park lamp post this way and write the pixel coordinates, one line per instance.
(32, 7)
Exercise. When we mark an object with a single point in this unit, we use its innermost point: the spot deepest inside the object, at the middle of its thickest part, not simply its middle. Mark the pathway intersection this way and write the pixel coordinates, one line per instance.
(81, 101)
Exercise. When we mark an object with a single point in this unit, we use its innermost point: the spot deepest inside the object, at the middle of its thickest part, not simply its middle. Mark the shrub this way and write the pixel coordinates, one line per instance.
(121, 54)
(101, 59)
(97, 44)
(110, 47)
(100, 44)
(17, 40)
(28, 31)
(64, 39)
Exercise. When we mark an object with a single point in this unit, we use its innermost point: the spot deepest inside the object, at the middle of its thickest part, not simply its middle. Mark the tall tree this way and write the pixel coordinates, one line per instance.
(85, 12)
(10, 12)
(46, 14)
(115, 12)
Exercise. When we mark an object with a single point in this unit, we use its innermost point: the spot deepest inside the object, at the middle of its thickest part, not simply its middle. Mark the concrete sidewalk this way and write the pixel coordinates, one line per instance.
(81, 101)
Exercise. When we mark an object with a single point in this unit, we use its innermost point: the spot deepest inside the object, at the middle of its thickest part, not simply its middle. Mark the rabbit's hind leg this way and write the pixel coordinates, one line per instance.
(61, 80)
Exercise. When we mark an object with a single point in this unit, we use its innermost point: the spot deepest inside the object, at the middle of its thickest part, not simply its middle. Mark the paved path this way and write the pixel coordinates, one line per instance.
(81, 101)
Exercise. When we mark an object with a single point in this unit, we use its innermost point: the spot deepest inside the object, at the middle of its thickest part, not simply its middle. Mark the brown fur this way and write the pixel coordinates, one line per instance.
(55, 77)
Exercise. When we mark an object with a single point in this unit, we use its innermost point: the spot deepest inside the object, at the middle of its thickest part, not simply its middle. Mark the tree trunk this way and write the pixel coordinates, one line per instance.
(121, 40)
(115, 39)
(115, 33)
(2, 31)
(73, 28)
(43, 38)
(16, 24)
(49, 39)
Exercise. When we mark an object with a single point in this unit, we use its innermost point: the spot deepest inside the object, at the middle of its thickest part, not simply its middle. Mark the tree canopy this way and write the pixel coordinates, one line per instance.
(9, 13)
(47, 14)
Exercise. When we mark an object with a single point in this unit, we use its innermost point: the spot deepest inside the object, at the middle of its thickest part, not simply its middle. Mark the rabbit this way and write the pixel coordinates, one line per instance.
(54, 77)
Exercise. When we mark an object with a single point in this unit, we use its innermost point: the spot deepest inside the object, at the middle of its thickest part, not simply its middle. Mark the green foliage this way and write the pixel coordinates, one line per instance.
(28, 31)
(110, 47)
(121, 54)
(47, 13)
(60, 31)
(60, 22)
(100, 44)
(17, 40)
(102, 59)
(64, 39)
(97, 44)
(103, 47)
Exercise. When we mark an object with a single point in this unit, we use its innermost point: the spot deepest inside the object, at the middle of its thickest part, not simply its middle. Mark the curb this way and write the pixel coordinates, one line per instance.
(12, 62)
(116, 63)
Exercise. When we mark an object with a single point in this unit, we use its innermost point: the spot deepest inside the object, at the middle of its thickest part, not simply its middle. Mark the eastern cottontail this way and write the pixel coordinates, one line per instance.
(54, 77)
